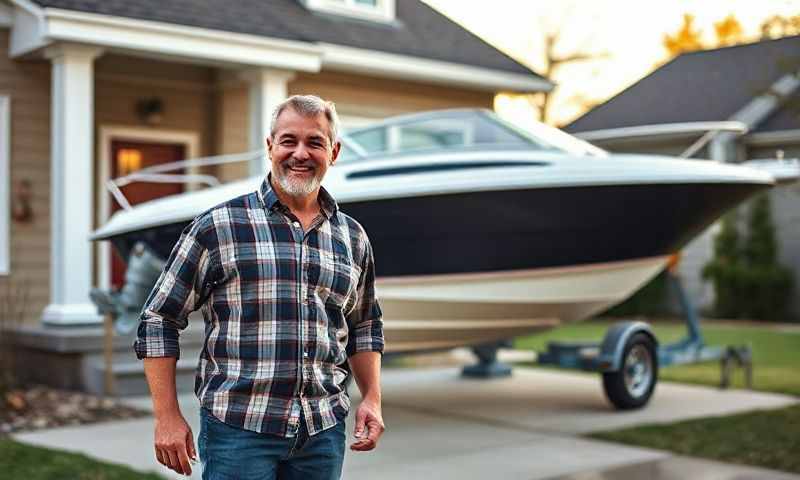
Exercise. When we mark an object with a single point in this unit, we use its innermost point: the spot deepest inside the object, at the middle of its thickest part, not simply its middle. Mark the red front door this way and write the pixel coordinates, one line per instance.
(127, 157)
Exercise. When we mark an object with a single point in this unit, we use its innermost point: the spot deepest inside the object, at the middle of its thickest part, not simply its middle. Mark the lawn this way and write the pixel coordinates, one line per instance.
(769, 439)
(19, 460)
(776, 351)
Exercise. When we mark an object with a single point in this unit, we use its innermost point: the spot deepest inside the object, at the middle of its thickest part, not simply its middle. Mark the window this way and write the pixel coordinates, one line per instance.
(5, 184)
(380, 10)
(449, 130)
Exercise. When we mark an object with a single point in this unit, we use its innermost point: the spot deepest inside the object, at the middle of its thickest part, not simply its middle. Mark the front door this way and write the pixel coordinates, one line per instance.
(128, 157)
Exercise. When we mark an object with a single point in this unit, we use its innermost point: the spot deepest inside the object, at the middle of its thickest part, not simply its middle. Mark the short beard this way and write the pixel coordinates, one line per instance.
(297, 187)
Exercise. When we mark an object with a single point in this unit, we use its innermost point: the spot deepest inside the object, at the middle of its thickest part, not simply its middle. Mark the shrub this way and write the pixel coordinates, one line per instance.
(13, 303)
(748, 280)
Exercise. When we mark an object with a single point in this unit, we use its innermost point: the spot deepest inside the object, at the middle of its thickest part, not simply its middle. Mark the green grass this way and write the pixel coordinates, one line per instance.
(776, 354)
(19, 460)
(769, 439)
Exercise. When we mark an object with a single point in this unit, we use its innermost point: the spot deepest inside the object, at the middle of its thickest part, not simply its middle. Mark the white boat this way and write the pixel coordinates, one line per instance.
(482, 232)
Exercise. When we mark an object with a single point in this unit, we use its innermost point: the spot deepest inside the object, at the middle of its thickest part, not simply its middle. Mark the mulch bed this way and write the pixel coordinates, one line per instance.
(40, 407)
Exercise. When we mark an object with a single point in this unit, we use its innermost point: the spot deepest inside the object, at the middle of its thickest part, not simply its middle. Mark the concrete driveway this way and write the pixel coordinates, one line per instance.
(442, 426)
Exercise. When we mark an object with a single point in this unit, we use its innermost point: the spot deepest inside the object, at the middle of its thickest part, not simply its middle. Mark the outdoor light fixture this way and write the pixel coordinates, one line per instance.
(21, 209)
(129, 160)
(150, 110)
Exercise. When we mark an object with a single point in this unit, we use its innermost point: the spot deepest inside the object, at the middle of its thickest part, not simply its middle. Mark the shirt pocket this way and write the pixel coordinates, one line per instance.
(339, 277)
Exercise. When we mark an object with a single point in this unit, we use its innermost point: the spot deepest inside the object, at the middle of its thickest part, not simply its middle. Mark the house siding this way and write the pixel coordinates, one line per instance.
(354, 95)
(785, 200)
(187, 93)
(27, 83)
(233, 131)
(366, 96)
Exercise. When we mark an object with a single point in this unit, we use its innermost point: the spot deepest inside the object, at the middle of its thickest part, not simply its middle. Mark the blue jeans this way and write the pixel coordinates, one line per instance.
(229, 453)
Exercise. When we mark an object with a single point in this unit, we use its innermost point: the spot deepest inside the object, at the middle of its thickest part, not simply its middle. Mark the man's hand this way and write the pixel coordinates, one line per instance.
(174, 443)
(369, 426)
(366, 367)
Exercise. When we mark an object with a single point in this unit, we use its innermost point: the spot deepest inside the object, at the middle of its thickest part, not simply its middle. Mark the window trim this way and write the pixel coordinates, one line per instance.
(107, 133)
(5, 185)
(383, 11)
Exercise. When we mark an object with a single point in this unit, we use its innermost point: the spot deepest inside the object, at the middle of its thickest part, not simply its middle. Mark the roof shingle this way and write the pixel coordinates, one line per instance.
(418, 31)
(707, 85)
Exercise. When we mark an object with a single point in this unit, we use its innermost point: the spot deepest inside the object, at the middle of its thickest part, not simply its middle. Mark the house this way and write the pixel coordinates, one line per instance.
(92, 89)
(757, 84)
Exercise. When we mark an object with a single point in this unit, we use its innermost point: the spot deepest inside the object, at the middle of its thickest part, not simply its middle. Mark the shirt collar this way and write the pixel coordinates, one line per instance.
(270, 200)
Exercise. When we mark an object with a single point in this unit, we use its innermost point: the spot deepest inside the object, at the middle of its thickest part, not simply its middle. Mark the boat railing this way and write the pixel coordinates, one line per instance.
(709, 130)
(158, 173)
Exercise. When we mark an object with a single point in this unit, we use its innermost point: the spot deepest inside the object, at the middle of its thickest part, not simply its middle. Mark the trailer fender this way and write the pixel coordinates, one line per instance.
(610, 355)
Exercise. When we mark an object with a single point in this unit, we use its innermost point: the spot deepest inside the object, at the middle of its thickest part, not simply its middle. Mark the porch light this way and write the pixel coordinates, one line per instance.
(128, 160)
(150, 110)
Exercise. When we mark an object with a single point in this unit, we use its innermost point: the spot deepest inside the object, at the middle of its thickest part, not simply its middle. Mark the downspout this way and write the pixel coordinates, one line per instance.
(723, 147)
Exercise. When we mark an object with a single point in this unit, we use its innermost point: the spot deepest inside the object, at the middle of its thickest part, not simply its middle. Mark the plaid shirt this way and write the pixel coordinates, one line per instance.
(283, 310)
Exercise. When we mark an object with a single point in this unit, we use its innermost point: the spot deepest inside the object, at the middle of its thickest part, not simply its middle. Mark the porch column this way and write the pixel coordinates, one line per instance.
(268, 88)
(71, 185)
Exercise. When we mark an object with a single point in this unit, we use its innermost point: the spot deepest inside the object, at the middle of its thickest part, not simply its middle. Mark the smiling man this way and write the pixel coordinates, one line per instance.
(285, 282)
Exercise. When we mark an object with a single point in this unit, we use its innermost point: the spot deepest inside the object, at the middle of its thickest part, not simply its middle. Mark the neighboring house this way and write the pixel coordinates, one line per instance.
(757, 84)
(92, 88)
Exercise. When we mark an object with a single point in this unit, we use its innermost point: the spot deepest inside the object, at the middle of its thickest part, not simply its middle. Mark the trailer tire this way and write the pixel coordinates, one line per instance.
(632, 385)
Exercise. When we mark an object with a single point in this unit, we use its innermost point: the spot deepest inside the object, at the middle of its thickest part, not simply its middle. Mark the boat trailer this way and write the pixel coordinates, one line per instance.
(629, 356)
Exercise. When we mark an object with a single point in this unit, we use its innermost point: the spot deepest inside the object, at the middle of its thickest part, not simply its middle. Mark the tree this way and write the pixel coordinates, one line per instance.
(554, 61)
(778, 26)
(748, 280)
(554, 55)
(686, 39)
(768, 284)
(729, 31)
(724, 269)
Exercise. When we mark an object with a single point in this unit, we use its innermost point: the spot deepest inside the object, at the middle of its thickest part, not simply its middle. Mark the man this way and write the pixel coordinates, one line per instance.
(286, 285)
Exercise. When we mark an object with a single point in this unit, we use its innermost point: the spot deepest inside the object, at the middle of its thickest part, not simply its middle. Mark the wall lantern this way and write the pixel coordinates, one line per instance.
(150, 110)
(21, 209)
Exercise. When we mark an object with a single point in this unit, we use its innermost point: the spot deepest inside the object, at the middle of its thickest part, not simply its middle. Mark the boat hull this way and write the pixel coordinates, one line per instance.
(534, 228)
(472, 268)
(443, 311)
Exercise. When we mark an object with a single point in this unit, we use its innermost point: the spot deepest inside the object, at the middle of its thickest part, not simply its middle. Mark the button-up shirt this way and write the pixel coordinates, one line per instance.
(283, 310)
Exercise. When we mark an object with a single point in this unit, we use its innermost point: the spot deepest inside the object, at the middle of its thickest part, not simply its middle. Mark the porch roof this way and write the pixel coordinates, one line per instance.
(419, 30)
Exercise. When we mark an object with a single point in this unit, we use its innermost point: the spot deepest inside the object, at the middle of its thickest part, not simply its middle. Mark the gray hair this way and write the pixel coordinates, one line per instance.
(308, 105)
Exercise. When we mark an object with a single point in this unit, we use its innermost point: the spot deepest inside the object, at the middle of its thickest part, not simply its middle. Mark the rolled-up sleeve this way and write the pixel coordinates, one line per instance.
(365, 320)
(178, 292)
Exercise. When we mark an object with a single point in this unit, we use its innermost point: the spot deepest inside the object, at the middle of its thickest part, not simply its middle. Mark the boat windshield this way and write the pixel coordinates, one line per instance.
(454, 129)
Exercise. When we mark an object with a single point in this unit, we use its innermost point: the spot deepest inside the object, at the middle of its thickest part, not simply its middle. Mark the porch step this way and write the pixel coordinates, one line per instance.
(73, 358)
(129, 378)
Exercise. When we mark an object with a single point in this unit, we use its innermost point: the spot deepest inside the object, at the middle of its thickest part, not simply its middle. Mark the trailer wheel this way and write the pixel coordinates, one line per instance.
(632, 385)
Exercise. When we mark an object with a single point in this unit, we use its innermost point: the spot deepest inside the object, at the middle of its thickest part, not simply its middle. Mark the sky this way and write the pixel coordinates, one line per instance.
(628, 33)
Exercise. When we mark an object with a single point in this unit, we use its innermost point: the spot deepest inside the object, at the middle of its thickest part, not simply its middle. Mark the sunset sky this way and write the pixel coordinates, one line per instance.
(629, 32)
